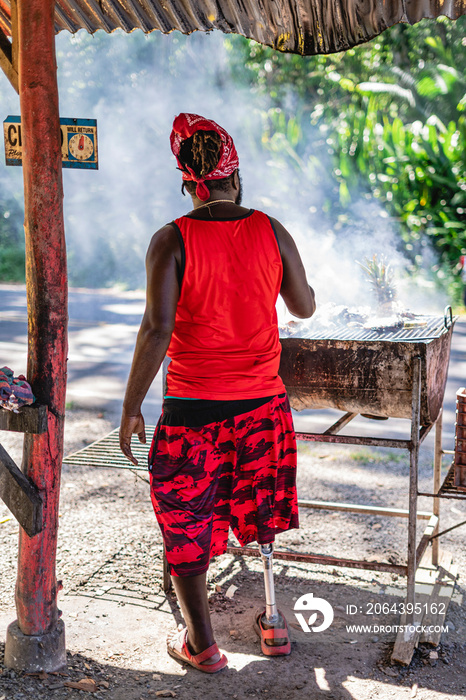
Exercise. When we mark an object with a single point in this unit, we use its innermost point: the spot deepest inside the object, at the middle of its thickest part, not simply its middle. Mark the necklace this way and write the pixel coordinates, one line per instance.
(215, 201)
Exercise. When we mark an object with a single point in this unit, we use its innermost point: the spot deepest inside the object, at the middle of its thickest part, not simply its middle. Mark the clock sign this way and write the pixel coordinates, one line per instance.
(81, 146)
(78, 142)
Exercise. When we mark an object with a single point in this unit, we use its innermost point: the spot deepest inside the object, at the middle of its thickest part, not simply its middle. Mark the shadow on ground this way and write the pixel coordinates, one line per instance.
(117, 639)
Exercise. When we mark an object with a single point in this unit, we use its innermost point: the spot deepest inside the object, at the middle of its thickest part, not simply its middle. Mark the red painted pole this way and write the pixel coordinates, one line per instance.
(36, 587)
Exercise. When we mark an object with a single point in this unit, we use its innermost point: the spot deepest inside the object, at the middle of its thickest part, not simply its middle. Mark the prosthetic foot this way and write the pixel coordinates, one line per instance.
(271, 625)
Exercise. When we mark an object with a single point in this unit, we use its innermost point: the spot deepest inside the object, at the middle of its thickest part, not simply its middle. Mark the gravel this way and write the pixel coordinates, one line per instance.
(116, 614)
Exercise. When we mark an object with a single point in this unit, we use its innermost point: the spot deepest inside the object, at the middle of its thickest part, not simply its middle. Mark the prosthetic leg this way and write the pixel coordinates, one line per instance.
(271, 611)
(273, 630)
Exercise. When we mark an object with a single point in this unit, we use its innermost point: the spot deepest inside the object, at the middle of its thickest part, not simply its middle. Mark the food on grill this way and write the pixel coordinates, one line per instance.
(415, 322)
(362, 370)
(383, 323)
(331, 318)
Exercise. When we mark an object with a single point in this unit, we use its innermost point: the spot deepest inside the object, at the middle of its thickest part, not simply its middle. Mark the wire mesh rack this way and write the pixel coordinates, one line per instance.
(106, 453)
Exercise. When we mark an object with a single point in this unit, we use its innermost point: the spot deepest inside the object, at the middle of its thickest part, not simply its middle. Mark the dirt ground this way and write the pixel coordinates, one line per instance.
(117, 616)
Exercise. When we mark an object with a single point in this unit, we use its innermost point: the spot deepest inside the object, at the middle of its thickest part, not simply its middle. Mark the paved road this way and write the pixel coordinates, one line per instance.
(102, 332)
(103, 326)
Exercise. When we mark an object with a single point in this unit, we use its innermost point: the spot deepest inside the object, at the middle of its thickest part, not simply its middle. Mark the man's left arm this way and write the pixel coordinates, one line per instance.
(154, 335)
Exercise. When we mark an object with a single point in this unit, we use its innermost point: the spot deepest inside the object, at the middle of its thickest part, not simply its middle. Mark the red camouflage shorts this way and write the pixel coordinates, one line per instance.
(238, 473)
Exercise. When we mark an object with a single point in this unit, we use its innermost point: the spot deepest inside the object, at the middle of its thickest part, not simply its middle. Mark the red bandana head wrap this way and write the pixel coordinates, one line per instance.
(184, 126)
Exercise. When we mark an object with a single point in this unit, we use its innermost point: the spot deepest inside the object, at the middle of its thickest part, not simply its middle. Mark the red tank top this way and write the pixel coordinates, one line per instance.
(225, 342)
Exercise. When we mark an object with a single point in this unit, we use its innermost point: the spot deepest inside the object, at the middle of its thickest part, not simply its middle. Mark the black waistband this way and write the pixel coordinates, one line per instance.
(195, 412)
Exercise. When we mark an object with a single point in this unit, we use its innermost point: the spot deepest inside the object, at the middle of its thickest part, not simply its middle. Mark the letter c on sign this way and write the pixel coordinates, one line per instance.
(12, 135)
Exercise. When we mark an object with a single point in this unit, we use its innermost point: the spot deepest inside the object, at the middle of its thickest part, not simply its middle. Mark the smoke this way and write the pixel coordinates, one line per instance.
(112, 213)
(332, 257)
(134, 85)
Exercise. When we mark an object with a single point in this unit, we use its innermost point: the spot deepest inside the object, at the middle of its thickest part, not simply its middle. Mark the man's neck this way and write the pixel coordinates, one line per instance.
(217, 208)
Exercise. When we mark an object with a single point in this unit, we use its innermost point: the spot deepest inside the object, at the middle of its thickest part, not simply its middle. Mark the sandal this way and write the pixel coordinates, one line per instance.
(196, 660)
(272, 633)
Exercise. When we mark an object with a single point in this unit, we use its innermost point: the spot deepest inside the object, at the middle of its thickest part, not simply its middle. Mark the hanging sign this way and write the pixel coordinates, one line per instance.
(78, 142)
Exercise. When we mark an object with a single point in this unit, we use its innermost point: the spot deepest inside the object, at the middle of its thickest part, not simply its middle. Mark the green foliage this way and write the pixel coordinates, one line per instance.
(391, 117)
(12, 263)
(417, 168)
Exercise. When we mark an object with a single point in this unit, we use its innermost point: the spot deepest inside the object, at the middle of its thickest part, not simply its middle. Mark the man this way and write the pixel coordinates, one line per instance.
(224, 452)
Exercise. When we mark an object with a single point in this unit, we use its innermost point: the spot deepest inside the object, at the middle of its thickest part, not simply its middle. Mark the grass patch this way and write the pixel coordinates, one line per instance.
(363, 456)
(367, 456)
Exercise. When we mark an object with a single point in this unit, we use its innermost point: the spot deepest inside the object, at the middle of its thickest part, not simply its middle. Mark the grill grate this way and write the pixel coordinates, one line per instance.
(435, 327)
(106, 453)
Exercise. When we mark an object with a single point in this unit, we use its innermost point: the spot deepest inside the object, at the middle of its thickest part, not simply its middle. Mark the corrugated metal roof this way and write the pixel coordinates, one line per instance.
(299, 26)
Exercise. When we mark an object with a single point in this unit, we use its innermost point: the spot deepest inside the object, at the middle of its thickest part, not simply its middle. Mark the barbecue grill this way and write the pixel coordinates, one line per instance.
(369, 371)
(386, 373)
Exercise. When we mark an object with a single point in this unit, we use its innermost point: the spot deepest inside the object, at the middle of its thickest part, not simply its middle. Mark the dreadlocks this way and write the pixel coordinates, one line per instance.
(201, 153)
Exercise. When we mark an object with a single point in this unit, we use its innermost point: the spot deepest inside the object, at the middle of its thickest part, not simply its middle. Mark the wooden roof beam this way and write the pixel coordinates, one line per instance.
(9, 50)
(6, 61)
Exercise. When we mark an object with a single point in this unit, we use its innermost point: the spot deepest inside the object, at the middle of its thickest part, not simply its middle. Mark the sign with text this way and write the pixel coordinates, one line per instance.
(78, 142)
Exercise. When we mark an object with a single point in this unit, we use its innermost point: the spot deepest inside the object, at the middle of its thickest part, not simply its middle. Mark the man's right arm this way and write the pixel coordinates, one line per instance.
(295, 291)
(163, 290)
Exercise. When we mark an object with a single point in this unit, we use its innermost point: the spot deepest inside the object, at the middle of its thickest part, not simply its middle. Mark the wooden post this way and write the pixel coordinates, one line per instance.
(46, 280)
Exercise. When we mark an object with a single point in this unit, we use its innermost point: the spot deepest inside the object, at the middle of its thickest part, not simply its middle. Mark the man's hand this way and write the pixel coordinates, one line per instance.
(130, 425)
